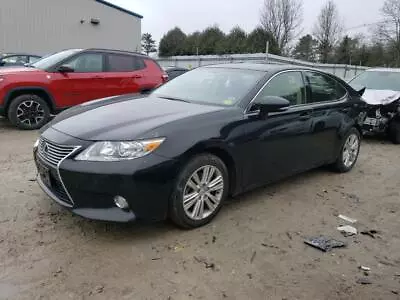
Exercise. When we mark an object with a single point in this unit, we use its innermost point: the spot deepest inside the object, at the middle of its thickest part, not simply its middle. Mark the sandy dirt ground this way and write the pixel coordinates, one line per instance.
(253, 250)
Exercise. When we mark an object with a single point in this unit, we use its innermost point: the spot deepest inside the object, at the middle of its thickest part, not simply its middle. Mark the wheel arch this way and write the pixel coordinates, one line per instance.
(39, 91)
(225, 156)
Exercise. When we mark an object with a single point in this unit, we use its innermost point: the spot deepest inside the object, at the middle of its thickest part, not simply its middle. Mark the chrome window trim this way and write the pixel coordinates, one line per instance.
(249, 113)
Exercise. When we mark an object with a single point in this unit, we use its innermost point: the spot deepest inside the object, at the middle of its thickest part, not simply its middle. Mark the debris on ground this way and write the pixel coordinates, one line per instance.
(253, 257)
(365, 268)
(370, 232)
(250, 275)
(289, 235)
(269, 246)
(347, 219)
(347, 230)
(203, 260)
(364, 281)
(395, 292)
(325, 244)
(214, 239)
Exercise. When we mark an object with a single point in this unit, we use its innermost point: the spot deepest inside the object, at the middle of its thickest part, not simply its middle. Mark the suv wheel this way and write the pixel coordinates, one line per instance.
(394, 131)
(28, 112)
(348, 152)
(200, 191)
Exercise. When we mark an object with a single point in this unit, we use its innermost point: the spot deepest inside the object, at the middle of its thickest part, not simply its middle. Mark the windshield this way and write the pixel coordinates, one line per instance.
(378, 80)
(211, 85)
(50, 60)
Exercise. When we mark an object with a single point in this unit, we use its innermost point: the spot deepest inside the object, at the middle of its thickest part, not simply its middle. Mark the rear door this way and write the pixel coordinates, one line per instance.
(278, 145)
(124, 74)
(329, 100)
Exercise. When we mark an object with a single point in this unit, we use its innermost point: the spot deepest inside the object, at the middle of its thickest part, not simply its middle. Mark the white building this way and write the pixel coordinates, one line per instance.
(46, 26)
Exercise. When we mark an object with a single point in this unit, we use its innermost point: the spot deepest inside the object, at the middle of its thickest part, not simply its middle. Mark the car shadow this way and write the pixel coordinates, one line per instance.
(121, 233)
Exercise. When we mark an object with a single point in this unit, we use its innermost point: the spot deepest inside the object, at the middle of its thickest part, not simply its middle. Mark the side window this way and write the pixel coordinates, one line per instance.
(323, 88)
(139, 63)
(33, 59)
(289, 85)
(124, 63)
(14, 60)
(87, 63)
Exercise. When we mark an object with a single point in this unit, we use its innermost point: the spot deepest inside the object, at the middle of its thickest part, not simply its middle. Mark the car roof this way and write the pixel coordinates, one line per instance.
(176, 69)
(395, 70)
(13, 54)
(260, 67)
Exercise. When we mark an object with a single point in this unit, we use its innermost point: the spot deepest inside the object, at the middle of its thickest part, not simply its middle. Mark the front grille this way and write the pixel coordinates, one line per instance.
(53, 153)
(58, 189)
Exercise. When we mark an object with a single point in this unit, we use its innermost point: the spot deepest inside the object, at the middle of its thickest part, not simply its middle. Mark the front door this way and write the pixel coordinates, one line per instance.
(278, 145)
(85, 83)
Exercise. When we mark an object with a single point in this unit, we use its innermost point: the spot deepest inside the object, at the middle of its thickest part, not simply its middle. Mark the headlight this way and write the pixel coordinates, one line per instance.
(117, 151)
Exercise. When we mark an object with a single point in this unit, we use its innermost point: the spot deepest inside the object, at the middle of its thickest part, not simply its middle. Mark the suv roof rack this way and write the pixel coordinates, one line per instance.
(116, 51)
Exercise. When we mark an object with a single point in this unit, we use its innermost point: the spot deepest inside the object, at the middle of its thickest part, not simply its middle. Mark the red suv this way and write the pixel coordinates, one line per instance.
(29, 95)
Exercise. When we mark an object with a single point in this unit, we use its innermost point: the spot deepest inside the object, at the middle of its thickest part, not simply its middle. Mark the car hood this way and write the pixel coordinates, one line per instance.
(380, 97)
(17, 70)
(124, 118)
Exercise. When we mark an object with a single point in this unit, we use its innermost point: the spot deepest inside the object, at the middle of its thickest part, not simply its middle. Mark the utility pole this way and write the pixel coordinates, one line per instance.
(266, 51)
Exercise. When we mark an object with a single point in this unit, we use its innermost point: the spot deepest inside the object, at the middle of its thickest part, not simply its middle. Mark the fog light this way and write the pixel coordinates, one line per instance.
(121, 202)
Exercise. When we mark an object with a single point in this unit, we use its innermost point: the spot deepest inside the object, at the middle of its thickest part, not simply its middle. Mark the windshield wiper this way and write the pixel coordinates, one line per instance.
(174, 99)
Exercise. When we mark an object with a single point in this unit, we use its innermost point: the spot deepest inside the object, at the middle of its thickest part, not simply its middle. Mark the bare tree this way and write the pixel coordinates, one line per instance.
(327, 30)
(282, 18)
(389, 30)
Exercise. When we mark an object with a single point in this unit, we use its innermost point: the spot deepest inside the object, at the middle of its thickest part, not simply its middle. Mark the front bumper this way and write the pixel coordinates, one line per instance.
(90, 187)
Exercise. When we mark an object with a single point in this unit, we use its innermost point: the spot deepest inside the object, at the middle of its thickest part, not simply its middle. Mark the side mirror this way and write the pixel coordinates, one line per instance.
(270, 104)
(65, 69)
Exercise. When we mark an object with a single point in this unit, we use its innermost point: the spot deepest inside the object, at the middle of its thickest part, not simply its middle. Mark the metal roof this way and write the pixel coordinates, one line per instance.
(397, 70)
(129, 12)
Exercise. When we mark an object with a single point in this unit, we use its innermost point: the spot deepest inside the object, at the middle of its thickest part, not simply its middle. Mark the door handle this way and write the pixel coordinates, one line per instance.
(305, 116)
(137, 76)
(98, 77)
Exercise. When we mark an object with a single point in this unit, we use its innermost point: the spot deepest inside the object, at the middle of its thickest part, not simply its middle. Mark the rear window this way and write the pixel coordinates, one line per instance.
(124, 63)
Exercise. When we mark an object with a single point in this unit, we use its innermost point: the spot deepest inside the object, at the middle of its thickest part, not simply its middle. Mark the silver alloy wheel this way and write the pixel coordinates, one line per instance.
(350, 150)
(203, 192)
(30, 112)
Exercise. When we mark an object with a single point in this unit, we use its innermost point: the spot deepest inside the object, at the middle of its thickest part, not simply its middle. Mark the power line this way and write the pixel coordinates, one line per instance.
(367, 25)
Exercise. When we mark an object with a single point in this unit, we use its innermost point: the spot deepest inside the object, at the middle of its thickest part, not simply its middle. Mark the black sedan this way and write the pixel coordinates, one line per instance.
(182, 150)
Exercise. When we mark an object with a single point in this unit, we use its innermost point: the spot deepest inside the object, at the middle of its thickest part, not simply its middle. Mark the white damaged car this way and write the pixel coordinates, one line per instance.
(382, 94)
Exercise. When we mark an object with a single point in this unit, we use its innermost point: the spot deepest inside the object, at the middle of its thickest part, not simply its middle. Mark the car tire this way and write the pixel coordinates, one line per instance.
(204, 182)
(394, 131)
(349, 152)
(28, 112)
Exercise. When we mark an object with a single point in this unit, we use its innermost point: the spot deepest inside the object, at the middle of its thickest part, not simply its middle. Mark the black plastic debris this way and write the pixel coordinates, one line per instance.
(325, 244)
(370, 233)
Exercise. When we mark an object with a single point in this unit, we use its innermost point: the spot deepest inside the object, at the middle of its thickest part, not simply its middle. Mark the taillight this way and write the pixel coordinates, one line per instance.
(164, 77)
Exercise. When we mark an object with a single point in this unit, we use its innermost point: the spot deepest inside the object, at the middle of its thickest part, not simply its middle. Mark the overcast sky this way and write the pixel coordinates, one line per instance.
(189, 15)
